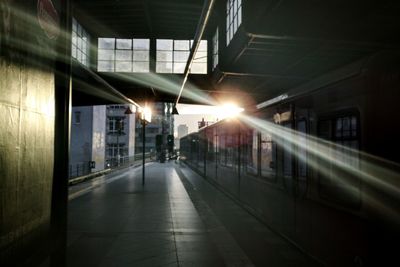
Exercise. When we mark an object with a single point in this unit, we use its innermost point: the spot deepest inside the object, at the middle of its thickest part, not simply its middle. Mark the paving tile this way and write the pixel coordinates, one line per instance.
(174, 220)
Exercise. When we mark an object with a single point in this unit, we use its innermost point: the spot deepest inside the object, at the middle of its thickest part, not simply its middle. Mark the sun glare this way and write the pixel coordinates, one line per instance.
(229, 110)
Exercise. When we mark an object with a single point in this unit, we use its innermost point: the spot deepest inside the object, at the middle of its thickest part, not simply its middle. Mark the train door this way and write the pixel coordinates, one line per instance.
(302, 206)
(296, 219)
(289, 180)
(211, 153)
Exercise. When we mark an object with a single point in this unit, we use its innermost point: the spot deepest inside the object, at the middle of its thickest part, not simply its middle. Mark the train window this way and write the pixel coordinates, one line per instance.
(229, 150)
(287, 153)
(337, 183)
(268, 156)
(252, 152)
(301, 151)
(210, 146)
(222, 152)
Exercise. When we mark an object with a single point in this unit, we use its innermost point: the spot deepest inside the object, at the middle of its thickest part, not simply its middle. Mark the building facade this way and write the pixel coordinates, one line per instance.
(162, 124)
(120, 135)
(101, 137)
(183, 130)
(88, 135)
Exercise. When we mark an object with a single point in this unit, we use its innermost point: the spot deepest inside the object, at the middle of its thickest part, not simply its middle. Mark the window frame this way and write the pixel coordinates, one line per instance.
(327, 191)
(131, 59)
(273, 177)
(234, 9)
(250, 147)
(215, 50)
(80, 43)
(174, 54)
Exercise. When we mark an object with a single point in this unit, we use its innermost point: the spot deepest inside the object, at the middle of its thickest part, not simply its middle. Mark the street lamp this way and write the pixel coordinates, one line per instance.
(145, 118)
(119, 123)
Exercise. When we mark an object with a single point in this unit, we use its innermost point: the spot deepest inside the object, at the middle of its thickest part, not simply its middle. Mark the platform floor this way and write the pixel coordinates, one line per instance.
(176, 219)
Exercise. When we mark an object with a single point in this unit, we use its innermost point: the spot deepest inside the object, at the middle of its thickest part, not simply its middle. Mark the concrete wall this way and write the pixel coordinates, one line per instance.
(98, 138)
(27, 119)
(81, 136)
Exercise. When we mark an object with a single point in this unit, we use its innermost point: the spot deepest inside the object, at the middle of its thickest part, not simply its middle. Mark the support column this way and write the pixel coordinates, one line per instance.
(63, 90)
(144, 148)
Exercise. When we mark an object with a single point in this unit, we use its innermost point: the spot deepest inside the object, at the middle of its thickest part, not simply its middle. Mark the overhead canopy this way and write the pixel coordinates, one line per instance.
(279, 45)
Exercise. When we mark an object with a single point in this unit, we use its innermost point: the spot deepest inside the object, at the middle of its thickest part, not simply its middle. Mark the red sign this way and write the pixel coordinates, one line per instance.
(48, 18)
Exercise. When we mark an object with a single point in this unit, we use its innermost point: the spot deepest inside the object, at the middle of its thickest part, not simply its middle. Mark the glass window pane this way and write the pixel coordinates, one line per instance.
(181, 45)
(202, 46)
(338, 127)
(73, 52)
(179, 67)
(301, 151)
(140, 66)
(266, 155)
(163, 44)
(164, 56)
(78, 42)
(106, 43)
(124, 55)
(164, 67)
(235, 26)
(84, 46)
(105, 66)
(346, 126)
(181, 56)
(200, 57)
(124, 44)
(141, 56)
(105, 54)
(123, 66)
(141, 44)
(354, 126)
(252, 153)
(240, 16)
(83, 58)
(78, 55)
(79, 30)
(74, 25)
(199, 68)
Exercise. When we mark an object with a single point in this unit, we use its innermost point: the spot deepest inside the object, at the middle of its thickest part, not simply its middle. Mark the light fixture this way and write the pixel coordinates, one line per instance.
(128, 111)
(175, 111)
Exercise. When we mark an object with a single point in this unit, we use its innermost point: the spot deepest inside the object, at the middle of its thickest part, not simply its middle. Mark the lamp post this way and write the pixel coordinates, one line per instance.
(128, 112)
(145, 118)
(118, 124)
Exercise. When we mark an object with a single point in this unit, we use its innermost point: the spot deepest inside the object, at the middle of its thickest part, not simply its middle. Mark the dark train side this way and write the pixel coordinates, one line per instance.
(341, 216)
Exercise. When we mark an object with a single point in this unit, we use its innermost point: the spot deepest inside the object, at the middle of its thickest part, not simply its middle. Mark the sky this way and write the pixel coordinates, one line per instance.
(192, 114)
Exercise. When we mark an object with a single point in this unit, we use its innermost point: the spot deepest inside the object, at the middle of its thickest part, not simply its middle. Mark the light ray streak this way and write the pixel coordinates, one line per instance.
(322, 148)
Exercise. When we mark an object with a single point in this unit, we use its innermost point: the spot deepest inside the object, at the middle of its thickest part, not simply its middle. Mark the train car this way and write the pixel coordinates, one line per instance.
(319, 165)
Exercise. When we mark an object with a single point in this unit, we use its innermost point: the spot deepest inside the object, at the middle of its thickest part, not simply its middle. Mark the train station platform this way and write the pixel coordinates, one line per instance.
(176, 219)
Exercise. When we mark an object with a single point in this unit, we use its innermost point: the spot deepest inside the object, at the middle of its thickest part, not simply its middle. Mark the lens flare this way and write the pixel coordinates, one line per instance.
(229, 110)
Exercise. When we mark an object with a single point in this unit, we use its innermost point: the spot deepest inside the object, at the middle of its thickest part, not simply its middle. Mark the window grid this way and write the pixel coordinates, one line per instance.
(80, 49)
(116, 125)
(343, 132)
(215, 49)
(123, 55)
(172, 56)
(113, 149)
(233, 18)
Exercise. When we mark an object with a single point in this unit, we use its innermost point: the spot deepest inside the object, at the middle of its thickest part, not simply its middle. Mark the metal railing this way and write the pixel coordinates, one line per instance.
(79, 169)
(126, 160)
(84, 168)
